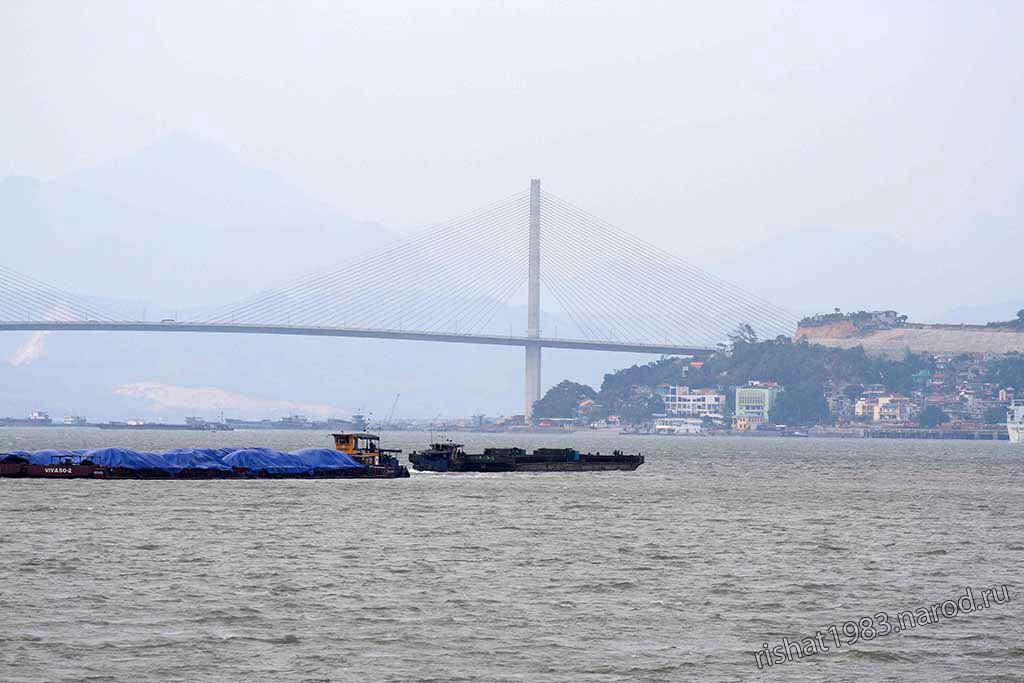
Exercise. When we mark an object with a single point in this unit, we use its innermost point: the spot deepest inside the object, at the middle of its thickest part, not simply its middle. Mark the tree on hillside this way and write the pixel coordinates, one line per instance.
(637, 409)
(744, 334)
(803, 369)
(662, 371)
(853, 391)
(1008, 371)
(623, 385)
(995, 415)
(931, 417)
(790, 363)
(800, 404)
(899, 377)
(563, 400)
(1020, 317)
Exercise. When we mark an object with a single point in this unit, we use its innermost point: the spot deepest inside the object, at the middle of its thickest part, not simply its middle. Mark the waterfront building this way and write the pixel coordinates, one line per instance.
(747, 423)
(867, 406)
(681, 401)
(754, 403)
(896, 409)
(840, 406)
(885, 408)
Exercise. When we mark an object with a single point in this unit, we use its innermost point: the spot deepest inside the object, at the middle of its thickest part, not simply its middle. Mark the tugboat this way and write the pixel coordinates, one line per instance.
(362, 447)
(452, 457)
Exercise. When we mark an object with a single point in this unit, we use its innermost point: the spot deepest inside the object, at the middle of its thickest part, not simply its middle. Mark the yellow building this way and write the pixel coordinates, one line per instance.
(884, 408)
(747, 423)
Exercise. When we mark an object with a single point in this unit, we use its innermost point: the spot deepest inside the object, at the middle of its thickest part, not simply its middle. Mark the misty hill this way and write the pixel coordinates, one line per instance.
(182, 223)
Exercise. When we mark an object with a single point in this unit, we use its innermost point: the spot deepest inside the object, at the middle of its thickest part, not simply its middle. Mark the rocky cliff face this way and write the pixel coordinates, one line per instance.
(894, 341)
(937, 339)
(840, 329)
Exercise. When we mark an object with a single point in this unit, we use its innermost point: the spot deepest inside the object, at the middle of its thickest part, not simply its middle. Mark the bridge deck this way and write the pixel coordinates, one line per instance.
(493, 340)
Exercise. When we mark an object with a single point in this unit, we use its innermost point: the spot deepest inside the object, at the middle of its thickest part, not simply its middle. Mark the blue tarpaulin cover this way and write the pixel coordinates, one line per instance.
(327, 459)
(253, 459)
(274, 462)
(48, 456)
(122, 457)
(196, 458)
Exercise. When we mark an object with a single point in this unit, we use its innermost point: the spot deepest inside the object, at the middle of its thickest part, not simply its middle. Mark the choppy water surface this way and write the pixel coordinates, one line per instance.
(676, 572)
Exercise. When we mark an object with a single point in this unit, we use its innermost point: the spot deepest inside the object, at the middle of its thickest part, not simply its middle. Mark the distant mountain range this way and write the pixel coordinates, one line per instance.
(182, 226)
(181, 223)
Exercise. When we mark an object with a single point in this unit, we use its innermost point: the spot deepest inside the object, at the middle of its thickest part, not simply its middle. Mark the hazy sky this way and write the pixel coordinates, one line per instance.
(694, 124)
(840, 154)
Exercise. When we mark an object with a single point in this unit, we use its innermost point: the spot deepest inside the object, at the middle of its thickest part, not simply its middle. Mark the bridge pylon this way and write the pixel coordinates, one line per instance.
(532, 375)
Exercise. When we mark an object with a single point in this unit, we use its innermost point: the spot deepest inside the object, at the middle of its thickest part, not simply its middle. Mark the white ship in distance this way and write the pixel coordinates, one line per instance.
(1015, 421)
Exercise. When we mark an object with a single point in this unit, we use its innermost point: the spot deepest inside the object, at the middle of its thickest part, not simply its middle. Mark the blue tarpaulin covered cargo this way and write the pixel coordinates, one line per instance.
(196, 458)
(48, 456)
(255, 459)
(327, 459)
(133, 460)
(274, 462)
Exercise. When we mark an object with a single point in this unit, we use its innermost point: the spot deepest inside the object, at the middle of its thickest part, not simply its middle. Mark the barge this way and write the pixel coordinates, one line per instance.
(355, 456)
(452, 457)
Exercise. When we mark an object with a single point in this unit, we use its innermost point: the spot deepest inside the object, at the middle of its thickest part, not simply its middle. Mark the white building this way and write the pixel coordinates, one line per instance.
(685, 402)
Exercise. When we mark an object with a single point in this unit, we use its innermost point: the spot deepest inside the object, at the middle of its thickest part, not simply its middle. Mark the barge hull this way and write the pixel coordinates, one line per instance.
(575, 467)
(446, 457)
(27, 471)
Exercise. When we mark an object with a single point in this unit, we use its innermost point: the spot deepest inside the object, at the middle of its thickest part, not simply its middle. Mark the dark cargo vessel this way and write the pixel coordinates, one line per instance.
(452, 457)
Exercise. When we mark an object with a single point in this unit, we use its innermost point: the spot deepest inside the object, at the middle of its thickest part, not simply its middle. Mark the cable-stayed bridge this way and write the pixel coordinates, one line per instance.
(449, 283)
